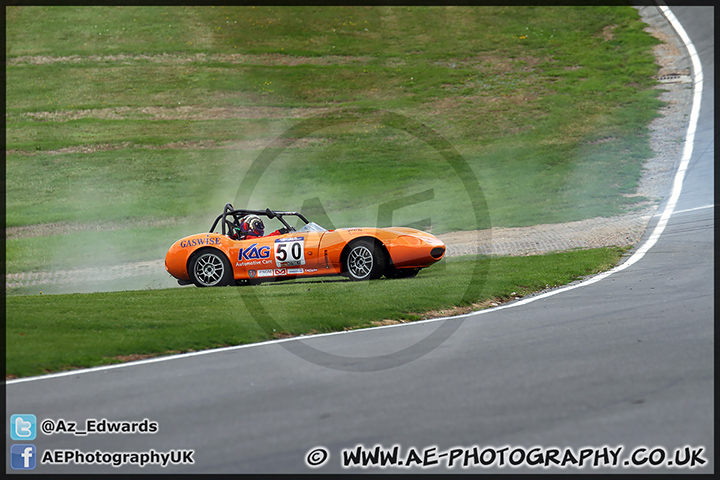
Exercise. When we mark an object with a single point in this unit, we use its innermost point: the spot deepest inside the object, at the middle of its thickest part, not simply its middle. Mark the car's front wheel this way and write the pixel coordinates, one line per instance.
(364, 261)
(210, 268)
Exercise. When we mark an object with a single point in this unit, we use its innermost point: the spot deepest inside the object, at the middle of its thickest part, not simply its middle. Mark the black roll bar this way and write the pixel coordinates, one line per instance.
(241, 212)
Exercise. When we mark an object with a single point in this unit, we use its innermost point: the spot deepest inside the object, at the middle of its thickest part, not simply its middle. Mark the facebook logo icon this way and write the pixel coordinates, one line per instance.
(22, 457)
(23, 427)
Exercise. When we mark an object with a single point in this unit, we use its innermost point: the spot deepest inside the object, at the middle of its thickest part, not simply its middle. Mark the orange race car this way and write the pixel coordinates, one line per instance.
(242, 253)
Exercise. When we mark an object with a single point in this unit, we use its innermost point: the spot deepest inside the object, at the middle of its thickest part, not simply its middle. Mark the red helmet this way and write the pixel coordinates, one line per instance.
(252, 225)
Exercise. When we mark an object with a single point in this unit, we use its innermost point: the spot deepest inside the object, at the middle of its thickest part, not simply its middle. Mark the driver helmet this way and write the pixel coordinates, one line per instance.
(252, 225)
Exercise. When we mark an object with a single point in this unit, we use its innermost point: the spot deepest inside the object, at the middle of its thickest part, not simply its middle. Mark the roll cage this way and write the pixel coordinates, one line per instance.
(235, 214)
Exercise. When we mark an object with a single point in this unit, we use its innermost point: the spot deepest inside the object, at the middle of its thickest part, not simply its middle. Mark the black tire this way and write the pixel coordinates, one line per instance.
(210, 267)
(364, 261)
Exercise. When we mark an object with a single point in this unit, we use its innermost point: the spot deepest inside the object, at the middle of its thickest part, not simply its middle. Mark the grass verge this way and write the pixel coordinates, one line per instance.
(118, 113)
(50, 333)
(146, 118)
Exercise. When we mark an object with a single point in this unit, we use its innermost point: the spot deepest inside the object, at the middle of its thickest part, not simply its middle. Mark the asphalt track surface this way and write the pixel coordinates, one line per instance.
(623, 362)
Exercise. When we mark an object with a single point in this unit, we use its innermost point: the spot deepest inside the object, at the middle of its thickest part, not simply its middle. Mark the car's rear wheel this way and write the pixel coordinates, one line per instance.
(364, 261)
(210, 268)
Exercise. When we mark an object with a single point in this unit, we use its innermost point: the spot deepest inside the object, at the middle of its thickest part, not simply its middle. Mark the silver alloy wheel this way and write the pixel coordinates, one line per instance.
(209, 269)
(360, 262)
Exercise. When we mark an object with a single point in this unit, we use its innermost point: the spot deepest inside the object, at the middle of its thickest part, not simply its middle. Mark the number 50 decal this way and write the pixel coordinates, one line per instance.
(290, 251)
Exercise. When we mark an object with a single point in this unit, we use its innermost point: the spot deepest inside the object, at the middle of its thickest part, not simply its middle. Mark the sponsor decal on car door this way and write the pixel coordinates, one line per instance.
(252, 253)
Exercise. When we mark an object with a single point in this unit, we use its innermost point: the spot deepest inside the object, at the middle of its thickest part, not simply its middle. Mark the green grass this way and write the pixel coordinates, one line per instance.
(129, 127)
(47, 333)
(505, 81)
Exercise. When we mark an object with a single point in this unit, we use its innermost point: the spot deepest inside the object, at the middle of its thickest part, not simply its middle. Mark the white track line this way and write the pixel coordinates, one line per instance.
(639, 253)
(688, 210)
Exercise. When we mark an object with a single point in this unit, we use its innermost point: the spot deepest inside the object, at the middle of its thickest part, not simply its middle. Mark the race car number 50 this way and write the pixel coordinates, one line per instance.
(290, 252)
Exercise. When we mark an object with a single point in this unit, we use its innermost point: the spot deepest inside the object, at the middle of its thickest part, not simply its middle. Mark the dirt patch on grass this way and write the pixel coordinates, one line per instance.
(448, 312)
(454, 311)
(498, 64)
(64, 228)
(189, 113)
(254, 144)
(618, 231)
(608, 32)
(175, 59)
(179, 113)
(138, 356)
